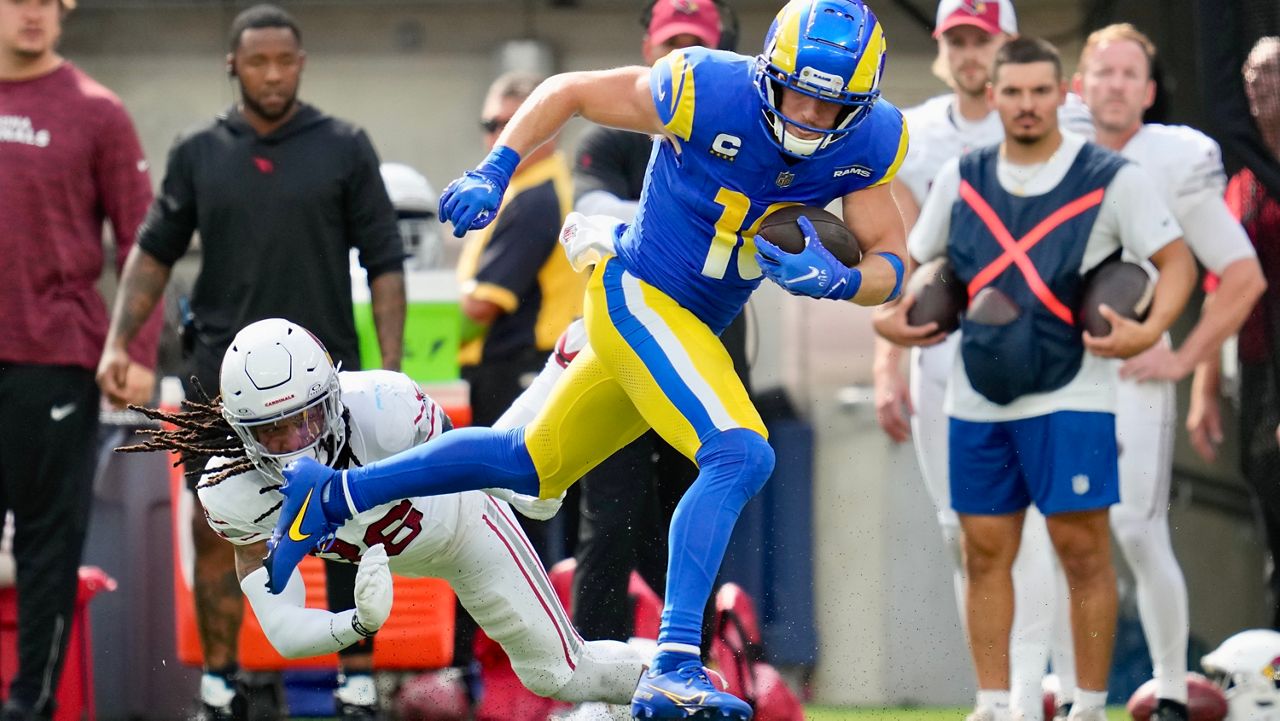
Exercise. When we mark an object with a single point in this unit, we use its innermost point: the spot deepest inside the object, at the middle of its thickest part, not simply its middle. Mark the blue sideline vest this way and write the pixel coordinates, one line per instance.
(1030, 248)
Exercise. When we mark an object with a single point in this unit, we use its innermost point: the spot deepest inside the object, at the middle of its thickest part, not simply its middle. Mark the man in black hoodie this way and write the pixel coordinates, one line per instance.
(279, 192)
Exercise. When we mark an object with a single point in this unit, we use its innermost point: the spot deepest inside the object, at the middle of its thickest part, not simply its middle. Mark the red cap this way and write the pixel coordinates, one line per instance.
(699, 18)
(992, 16)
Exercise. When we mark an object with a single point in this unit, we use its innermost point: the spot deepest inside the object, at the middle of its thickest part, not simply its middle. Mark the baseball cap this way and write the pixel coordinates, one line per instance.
(699, 18)
(993, 16)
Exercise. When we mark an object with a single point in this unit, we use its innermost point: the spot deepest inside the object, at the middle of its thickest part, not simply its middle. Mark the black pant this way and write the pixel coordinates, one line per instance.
(48, 450)
(627, 504)
(1260, 459)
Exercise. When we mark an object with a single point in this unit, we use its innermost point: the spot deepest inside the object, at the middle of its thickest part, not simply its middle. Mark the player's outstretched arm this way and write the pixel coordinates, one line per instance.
(873, 216)
(298, 632)
(618, 98)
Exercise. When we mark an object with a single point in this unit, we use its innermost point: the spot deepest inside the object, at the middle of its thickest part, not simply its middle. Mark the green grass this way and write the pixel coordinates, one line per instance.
(828, 713)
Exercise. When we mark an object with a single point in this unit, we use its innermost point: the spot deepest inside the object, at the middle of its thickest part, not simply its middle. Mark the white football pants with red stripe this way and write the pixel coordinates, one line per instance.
(498, 578)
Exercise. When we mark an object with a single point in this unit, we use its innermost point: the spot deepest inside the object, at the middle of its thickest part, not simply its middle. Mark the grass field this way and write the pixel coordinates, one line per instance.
(827, 713)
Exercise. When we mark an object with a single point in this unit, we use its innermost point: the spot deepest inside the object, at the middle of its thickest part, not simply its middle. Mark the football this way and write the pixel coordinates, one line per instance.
(781, 229)
(939, 295)
(1123, 286)
(1205, 701)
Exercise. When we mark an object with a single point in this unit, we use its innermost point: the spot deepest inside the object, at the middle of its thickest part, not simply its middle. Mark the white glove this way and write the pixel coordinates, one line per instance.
(589, 239)
(539, 509)
(373, 588)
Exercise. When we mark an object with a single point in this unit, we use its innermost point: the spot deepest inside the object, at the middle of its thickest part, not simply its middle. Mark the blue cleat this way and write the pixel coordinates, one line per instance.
(302, 526)
(685, 693)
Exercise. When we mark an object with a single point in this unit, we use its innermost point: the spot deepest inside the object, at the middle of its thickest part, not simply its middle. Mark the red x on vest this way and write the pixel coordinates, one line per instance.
(1015, 251)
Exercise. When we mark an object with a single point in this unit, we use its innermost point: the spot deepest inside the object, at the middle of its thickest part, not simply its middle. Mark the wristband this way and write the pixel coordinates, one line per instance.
(360, 628)
(898, 271)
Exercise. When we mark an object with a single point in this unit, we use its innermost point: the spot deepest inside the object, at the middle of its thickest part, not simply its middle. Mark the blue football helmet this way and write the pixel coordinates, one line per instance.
(832, 50)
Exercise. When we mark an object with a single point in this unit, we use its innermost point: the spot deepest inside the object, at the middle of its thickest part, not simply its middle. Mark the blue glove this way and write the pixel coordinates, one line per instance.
(814, 271)
(471, 202)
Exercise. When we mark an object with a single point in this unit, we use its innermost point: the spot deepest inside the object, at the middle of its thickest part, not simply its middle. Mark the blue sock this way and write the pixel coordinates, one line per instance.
(467, 459)
(734, 466)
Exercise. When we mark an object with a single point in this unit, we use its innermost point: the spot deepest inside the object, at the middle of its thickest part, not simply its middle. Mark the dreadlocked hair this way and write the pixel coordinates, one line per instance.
(196, 432)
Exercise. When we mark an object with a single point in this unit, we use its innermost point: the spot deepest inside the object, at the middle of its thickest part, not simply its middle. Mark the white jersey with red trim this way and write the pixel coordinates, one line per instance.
(472, 540)
(386, 413)
(939, 133)
(1187, 167)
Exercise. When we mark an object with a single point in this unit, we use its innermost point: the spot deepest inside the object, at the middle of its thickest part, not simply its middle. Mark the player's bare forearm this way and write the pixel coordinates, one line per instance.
(1240, 286)
(618, 98)
(141, 286)
(873, 216)
(249, 559)
(1177, 278)
(388, 298)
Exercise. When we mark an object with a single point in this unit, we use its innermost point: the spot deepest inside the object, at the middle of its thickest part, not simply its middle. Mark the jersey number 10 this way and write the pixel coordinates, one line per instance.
(730, 234)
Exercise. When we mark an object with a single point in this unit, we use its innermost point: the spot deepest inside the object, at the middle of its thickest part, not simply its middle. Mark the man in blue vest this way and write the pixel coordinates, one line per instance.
(1031, 397)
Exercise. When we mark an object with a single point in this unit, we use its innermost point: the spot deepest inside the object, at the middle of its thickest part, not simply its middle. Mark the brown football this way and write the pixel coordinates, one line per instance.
(1123, 286)
(939, 295)
(1205, 701)
(781, 229)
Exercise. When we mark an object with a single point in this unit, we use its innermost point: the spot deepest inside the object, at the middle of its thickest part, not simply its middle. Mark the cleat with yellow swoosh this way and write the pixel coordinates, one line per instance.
(685, 693)
(302, 526)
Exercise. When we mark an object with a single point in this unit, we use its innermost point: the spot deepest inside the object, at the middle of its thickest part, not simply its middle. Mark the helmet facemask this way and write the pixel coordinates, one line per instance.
(315, 430)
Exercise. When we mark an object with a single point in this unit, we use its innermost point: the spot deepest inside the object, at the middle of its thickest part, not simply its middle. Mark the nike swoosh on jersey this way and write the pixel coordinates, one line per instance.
(57, 413)
(295, 530)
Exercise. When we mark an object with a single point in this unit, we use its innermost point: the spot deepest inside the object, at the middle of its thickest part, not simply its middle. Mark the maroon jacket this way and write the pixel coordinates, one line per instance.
(69, 158)
(1259, 213)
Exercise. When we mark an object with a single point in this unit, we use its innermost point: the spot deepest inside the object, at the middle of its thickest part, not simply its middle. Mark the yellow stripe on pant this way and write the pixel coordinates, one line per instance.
(649, 363)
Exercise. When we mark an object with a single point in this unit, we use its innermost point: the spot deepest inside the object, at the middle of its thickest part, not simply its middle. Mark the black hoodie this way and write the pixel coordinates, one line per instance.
(277, 216)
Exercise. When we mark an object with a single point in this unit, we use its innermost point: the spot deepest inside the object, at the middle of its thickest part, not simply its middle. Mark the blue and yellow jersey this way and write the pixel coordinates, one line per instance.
(707, 189)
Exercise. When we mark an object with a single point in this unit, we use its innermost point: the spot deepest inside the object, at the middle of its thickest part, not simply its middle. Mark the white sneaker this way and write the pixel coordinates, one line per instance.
(1093, 714)
(595, 711)
(988, 713)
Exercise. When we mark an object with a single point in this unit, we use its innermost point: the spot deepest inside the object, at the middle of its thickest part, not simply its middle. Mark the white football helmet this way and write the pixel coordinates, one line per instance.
(280, 395)
(416, 207)
(1247, 668)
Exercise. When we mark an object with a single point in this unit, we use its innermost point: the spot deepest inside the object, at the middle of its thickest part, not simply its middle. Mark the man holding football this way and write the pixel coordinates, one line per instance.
(1030, 400)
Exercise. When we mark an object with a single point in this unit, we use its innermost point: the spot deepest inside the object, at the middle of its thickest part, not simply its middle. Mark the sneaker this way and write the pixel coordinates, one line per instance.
(356, 712)
(1170, 710)
(987, 713)
(594, 711)
(237, 710)
(14, 711)
(1063, 711)
(685, 692)
(302, 526)
(1097, 713)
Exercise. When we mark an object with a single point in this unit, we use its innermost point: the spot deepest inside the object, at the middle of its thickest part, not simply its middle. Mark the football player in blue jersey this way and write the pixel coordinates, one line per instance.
(738, 137)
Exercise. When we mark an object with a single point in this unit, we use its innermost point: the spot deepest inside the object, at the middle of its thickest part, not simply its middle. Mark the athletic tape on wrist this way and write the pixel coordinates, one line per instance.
(899, 270)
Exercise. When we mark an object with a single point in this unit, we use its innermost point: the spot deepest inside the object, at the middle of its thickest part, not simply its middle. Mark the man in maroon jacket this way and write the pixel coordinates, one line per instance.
(69, 159)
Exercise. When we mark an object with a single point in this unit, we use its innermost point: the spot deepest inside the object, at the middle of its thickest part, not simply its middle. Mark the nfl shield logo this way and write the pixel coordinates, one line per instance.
(785, 178)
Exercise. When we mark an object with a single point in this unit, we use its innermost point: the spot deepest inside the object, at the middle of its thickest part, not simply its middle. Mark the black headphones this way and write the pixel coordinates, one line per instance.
(728, 22)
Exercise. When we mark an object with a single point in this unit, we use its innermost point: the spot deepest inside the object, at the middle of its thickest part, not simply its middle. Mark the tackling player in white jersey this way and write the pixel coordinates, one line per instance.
(943, 128)
(1115, 81)
(283, 399)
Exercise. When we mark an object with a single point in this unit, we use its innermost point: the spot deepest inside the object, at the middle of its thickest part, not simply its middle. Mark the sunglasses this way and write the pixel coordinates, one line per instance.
(494, 125)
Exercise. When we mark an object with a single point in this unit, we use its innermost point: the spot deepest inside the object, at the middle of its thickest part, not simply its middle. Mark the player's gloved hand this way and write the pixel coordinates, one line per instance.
(539, 509)
(471, 202)
(814, 271)
(373, 588)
